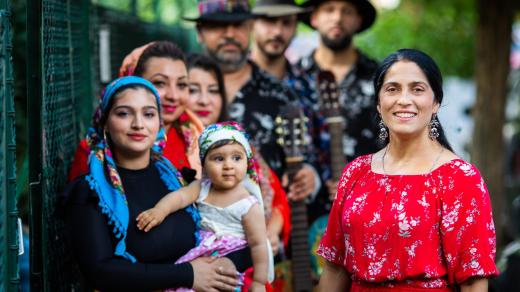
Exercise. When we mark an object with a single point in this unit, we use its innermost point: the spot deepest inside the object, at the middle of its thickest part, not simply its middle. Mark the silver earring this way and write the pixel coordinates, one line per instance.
(383, 132)
(434, 125)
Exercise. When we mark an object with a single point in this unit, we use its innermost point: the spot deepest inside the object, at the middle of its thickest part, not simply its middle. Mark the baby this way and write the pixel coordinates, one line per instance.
(228, 199)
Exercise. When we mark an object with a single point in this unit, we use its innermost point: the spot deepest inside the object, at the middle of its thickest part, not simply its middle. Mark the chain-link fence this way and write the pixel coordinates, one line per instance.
(9, 278)
(73, 48)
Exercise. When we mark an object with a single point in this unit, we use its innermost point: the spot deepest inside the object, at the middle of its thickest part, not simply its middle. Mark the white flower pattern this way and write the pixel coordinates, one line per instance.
(424, 231)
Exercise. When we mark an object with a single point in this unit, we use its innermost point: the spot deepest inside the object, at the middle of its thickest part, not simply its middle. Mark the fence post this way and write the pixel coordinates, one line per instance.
(34, 104)
(10, 244)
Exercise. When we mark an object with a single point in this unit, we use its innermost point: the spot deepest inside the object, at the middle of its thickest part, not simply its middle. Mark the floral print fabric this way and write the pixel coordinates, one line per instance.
(428, 231)
(255, 107)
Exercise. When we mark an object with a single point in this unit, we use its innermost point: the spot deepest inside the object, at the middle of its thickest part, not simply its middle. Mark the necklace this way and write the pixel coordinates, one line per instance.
(431, 169)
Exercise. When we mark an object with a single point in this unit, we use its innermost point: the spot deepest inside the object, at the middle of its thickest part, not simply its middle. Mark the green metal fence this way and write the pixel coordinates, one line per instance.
(9, 278)
(64, 78)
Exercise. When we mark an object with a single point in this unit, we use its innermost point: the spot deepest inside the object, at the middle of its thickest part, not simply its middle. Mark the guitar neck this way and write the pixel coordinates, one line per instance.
(337, 157)
(301, 267)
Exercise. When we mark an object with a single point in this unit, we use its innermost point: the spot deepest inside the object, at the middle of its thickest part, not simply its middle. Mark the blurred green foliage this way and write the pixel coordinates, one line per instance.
(443, 29)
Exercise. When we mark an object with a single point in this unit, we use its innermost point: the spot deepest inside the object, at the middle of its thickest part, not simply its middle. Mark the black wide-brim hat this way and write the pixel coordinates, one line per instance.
(222, 11)
(365, 9)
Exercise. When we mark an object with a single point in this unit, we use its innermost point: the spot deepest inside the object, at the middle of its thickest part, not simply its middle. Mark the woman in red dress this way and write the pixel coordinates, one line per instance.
(413, 216)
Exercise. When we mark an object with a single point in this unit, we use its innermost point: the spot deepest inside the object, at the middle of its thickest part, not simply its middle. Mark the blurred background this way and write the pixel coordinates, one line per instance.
(57, 55)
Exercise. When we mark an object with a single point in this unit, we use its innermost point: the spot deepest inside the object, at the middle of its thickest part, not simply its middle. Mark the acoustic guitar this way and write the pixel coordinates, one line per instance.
(330, 108)
(292, 130)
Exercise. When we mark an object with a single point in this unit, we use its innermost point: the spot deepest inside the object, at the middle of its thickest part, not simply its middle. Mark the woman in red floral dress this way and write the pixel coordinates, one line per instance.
(413, 216)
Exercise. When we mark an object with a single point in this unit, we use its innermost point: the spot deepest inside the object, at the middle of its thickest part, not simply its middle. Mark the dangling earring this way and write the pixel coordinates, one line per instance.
(434, 125)
(383, 132)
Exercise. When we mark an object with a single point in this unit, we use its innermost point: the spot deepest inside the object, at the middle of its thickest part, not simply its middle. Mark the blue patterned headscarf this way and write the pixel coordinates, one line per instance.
(109, 188)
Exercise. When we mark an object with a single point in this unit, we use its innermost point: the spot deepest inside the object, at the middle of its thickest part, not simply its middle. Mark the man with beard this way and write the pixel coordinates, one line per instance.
(273, 30)
(255, 97)
(337, 22)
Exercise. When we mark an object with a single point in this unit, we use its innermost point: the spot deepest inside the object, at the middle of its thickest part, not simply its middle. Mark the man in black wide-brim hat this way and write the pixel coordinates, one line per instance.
(337, 22)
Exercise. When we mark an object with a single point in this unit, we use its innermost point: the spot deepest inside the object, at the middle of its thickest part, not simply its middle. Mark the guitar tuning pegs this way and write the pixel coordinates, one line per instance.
(280, 141)
(279, 130)
(278, 120)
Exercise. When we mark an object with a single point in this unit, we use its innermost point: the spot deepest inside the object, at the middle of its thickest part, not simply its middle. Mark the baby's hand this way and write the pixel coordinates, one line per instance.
(150, 218)
(257, 287)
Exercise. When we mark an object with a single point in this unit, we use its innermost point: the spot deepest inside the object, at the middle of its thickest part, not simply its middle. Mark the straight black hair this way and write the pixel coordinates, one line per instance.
(429, 68)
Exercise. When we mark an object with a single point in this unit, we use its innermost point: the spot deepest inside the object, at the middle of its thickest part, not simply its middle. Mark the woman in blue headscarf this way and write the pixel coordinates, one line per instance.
(127, 175)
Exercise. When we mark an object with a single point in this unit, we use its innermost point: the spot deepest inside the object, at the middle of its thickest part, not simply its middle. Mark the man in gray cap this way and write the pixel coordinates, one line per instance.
(273, 31)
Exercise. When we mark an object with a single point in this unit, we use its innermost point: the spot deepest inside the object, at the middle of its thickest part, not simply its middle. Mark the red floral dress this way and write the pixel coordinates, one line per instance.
(416, 231)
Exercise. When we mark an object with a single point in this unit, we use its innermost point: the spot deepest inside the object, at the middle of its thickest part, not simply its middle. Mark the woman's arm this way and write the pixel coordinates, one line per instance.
(92, 242)
(334, 278)
(254, 226)
(170, 203)
(475, 285)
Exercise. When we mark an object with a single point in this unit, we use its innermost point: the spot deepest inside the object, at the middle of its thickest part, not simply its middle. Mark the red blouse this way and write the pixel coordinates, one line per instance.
(175, 149)
(426, 231)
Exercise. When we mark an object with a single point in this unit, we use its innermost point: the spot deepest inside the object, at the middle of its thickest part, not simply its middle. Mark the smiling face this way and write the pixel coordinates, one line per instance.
(406, 100)
(337, 22)
(133, 123)
(226, 166)
(205, 99)
(272, 35)
(170, 78)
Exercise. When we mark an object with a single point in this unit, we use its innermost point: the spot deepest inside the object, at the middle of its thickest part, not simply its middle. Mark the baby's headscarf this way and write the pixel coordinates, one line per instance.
(109, 188)
(233, 131)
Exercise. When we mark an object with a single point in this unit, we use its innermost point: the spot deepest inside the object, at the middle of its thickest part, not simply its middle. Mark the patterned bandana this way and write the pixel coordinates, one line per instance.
(109, 188)
(229, 6)
(233, 131)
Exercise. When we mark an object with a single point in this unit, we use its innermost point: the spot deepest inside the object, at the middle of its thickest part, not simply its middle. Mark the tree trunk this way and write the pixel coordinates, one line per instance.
(493, 43)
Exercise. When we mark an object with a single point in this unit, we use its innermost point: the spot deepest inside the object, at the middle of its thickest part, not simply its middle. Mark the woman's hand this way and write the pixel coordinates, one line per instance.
(150, 218)
(130, 61)
(332, 187)
(210, 274)
(257, 287)
(475, 285)
(274, 240)
(334, 278)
